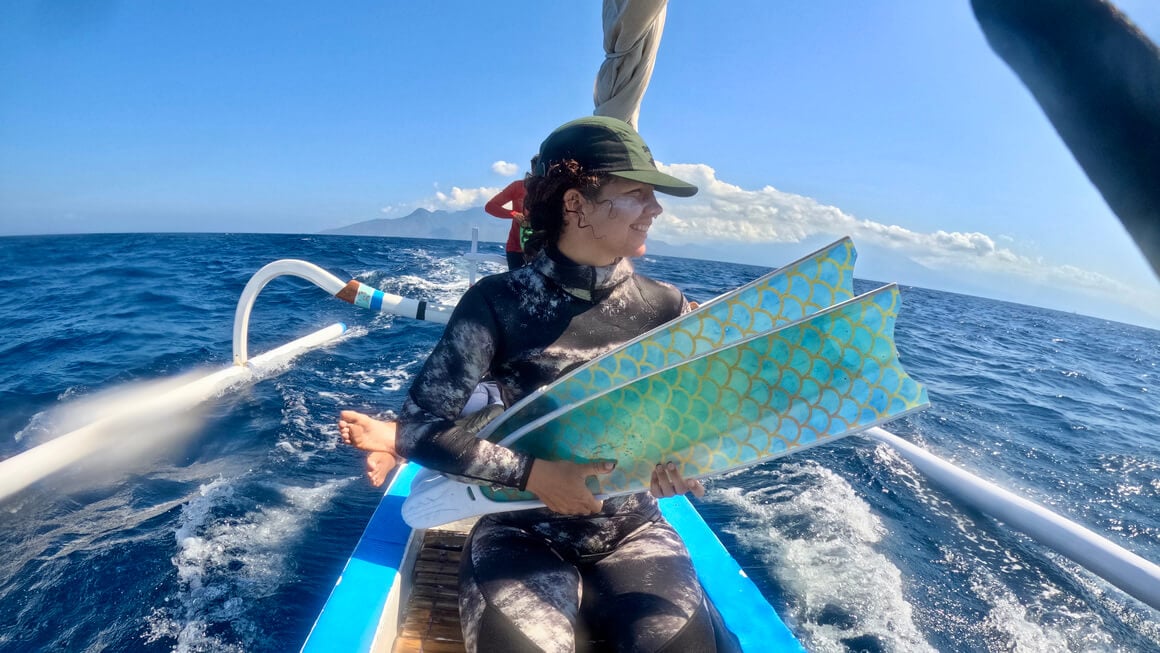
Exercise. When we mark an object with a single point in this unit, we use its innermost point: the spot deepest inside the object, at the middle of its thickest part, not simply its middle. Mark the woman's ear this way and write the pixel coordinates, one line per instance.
(573, 200)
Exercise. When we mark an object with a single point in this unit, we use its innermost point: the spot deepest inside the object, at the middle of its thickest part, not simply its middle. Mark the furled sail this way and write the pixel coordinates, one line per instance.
(632, 33)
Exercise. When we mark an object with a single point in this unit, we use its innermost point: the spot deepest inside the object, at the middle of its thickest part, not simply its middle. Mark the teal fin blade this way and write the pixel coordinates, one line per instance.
(801, 288)
(815, 380)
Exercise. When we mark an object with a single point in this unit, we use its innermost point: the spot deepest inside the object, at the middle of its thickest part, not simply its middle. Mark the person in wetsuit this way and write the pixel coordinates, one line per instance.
(612, 571)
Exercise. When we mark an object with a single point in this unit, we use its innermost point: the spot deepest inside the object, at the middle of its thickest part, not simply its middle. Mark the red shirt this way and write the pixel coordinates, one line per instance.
(514, 193)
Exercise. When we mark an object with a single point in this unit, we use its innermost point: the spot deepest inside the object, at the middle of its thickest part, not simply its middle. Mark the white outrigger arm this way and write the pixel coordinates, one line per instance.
(1110, 561)
(27, 467)
(353, 291)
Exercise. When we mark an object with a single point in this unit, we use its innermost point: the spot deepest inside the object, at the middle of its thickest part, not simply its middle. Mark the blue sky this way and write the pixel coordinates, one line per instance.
(890, 120)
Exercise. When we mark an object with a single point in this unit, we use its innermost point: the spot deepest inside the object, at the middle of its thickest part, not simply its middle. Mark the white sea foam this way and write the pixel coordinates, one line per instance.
(298, 435)
(227, 566)
(818, 539)
(443, 281)
(1091, 625)
(1045, 621)
(309, 417)
(438, 287)
(91, 439)
(1039, 618)
(378, 380)
(371, 380)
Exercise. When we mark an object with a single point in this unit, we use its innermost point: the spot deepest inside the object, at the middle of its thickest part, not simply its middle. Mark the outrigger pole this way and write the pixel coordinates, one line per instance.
(353, 291)
(1097, 554)
(28, 467)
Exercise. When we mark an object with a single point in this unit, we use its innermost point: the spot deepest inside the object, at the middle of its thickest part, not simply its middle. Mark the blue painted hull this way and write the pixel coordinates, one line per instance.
(372, 581)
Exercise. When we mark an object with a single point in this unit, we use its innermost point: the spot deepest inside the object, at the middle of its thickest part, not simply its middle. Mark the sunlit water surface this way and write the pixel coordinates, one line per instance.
(231, 539)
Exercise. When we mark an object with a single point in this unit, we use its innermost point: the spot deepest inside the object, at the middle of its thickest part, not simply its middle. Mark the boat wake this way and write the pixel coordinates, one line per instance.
(818, 539)
(845, 561)
(234, 551)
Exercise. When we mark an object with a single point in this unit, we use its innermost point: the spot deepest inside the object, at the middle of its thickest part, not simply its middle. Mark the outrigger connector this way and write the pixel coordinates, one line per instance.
(353, 291)
(360, 294)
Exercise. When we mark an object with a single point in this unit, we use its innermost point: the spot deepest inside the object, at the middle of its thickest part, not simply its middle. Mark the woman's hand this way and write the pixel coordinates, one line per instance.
(667, 482)
(560, 485)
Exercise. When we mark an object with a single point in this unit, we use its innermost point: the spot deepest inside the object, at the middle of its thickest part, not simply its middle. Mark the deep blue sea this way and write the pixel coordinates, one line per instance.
(231, 538)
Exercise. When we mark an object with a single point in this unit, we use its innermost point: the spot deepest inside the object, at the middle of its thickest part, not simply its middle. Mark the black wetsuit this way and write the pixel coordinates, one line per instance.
(524, 574)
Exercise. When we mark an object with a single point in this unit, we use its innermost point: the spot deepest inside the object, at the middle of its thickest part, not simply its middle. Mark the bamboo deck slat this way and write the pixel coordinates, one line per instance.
(431, 624)
(431, 620)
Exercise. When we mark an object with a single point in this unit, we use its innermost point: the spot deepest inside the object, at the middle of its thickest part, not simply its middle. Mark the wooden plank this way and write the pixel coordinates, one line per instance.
(412, 645)
(425, 564)
(441, 632)
(434, 592)
(431, 622)
(439, 556)
(436, 580)
(438, 616)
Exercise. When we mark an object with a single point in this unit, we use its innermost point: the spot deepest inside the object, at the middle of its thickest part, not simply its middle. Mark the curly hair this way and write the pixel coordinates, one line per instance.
(544, 203)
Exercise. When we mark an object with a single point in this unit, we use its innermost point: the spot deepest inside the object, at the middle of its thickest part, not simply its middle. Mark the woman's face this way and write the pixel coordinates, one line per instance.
(616, 223)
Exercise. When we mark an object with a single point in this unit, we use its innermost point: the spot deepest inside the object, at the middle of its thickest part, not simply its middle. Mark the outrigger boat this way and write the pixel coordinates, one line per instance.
(397, 591)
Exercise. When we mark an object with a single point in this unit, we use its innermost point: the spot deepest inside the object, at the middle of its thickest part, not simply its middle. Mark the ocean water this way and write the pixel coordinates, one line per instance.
(230, 533)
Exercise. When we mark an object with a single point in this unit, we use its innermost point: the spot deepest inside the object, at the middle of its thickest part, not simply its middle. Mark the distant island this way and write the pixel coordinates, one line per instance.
(456, 225)
(440, 225)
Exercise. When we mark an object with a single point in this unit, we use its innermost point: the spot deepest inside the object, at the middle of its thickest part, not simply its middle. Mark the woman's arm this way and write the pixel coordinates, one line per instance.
(495, 206)
(428, 432)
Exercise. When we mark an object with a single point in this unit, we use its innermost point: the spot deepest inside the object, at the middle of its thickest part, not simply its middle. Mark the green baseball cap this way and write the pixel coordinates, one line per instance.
(606, 145)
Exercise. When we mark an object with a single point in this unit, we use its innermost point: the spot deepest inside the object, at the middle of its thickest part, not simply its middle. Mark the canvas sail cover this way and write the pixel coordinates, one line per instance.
(632, 33)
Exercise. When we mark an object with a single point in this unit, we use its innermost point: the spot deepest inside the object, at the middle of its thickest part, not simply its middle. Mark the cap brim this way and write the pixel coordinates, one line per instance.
(663, 183)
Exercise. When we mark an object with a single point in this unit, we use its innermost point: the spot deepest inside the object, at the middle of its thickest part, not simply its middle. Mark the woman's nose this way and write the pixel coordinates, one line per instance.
(653, 206)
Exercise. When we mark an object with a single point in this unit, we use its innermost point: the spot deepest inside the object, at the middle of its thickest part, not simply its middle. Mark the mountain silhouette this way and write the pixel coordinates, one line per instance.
(443, 225)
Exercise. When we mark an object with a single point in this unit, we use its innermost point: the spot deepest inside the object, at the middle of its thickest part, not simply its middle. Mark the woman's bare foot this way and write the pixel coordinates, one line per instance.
(373, 435)
(379, 464)
(366, 433)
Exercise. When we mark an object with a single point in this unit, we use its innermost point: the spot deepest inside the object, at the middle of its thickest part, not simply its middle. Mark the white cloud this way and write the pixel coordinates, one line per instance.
(504, 168)
(463, 198)
(723, 213)
(457, 199)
